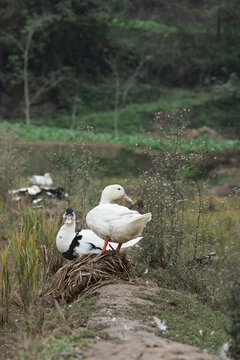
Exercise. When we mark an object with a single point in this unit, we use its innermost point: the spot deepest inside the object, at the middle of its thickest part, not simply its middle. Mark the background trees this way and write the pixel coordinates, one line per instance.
(73, 45)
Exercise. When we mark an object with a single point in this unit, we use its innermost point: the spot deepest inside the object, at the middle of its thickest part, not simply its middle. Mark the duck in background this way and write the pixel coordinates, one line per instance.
(113, 222)
(44, 180)
(72, 244)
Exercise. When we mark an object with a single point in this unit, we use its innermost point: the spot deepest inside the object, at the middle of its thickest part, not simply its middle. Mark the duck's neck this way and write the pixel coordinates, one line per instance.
(70, 227)
(68, 230)
(104, 199)
(65, 237)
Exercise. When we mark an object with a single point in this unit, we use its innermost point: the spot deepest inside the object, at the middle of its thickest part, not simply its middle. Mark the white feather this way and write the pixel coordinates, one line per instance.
(160, 324)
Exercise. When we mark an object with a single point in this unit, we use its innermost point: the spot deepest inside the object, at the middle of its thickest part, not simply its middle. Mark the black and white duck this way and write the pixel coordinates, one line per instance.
(72, 244)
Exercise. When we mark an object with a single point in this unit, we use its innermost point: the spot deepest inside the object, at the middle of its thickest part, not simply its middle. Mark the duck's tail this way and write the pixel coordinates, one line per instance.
(131, 242)
(141, 218)
(148, 216)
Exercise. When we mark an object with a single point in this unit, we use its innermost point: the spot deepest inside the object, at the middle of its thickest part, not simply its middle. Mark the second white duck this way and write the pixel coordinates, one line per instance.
(72, 245)
(44, 180)
(113, 222)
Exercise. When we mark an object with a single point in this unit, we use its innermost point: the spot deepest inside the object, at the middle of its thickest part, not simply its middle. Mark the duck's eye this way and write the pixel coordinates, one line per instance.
(119, 189)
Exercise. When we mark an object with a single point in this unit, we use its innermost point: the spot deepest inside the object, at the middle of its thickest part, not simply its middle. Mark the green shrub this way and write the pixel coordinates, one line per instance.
(165, 189)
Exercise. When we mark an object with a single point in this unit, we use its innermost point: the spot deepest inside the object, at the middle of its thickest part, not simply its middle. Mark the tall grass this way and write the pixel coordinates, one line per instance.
(6, 279)
(25, 253)
(34, 254)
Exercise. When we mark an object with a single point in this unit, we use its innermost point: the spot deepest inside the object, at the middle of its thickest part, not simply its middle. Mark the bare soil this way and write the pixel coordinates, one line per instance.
(125, 338)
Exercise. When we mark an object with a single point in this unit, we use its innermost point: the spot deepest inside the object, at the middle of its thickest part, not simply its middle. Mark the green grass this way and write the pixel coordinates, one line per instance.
(34, 132)
(136, 116)
(206, 109)
(76, 316)
(64, 332)
(185, 317)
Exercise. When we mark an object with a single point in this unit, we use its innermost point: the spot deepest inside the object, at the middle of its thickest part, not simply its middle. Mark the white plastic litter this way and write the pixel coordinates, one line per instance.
(160, 324)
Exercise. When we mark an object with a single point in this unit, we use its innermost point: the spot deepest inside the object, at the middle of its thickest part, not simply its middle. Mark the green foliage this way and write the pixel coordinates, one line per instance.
(191, 45)
(137, 141)
(230, 89)
(136, 24)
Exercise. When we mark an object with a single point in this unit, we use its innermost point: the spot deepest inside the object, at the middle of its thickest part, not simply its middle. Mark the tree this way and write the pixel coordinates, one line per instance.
(123, 84)
(38, 60)
(24, 44)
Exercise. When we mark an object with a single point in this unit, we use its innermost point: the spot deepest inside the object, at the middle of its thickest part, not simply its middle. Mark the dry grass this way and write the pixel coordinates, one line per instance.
(80, 278)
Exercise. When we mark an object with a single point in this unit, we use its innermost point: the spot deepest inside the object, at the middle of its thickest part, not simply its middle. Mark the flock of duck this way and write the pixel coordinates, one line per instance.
(111, 226)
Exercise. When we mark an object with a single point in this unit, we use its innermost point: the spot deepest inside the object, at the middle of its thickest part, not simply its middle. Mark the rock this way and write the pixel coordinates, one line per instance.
(208, 133)
(203, 132)
(190, 133)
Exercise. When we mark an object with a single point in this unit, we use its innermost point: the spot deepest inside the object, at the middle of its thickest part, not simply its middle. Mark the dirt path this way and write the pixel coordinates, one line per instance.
(125, 339)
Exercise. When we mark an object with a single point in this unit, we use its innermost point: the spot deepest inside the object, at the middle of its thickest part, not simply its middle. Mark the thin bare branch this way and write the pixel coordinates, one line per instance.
(46, 87)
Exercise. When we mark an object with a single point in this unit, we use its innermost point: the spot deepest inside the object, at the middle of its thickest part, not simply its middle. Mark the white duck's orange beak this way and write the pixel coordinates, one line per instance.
(127, 198)
(68, 219)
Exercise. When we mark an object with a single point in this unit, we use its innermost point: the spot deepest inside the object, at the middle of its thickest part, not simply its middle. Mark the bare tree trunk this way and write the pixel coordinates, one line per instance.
(25, 79)
(219, 22)
(116, 104)
(130, 82)
(73, 117)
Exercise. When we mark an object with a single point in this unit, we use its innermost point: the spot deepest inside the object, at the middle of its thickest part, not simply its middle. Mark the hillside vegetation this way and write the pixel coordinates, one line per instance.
(112, 66)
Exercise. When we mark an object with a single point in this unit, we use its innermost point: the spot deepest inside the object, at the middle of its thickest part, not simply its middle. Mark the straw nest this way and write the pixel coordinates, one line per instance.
(82, 277)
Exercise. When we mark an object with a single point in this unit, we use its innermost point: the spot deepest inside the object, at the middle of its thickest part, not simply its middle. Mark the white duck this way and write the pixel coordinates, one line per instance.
(113, 222)
(71, 244)
(41, 180)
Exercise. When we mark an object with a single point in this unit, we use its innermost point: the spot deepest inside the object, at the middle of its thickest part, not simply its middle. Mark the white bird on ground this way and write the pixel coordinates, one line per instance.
(34, 190)
(72, 245)
(44, 180)
(113, 222)
(12, 192)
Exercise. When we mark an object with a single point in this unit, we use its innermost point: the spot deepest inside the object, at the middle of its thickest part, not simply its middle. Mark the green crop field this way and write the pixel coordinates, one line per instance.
(34, 132)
